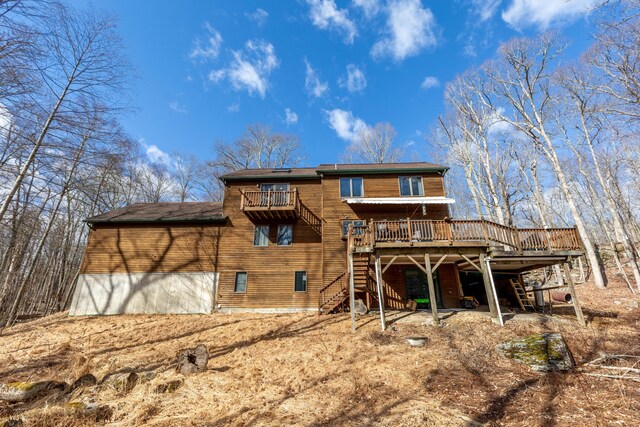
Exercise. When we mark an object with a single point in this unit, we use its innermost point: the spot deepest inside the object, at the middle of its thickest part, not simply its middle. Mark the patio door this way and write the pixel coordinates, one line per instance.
(417, 288)
(277, 199)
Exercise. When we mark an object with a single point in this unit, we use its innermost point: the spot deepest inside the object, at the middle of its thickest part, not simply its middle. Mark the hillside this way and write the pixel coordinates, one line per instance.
(305, 369)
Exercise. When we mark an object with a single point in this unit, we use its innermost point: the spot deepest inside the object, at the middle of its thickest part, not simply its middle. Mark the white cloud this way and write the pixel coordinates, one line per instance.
(156, 155)
(290, 117)
(233, 108)
(250, 68)
(177, 107)
(6, 120)
(260, 16)
(208, 50)
(410, 28)
(370, 8)
(355, 80)
(545, 13)
(326, 15)
(345, 124)
(430, 82)
(312, 82)
(485, 9)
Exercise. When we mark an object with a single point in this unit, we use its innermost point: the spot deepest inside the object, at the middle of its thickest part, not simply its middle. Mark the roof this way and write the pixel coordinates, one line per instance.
(272, 173)
(333, 168)
(163, 212)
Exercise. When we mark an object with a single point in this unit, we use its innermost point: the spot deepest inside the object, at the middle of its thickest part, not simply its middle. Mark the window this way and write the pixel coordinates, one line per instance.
(285, 235)
(301, 281)
(351, 187)
(411, 186)
(355, 222)
(279, 197)
(261, 235)
(241, 282)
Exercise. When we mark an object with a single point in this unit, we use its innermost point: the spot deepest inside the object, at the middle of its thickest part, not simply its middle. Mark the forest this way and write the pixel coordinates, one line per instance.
(533, 138)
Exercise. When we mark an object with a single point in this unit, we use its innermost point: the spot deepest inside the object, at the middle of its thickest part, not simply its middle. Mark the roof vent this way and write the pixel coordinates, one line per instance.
(280, 170)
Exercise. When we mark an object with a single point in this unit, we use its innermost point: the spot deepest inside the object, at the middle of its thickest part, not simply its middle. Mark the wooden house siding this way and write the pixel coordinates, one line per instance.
(151, 248)
(270, 270)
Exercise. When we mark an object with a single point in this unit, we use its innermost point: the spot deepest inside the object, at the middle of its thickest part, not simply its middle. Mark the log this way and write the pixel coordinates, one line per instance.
(24, 391)
(191, 360)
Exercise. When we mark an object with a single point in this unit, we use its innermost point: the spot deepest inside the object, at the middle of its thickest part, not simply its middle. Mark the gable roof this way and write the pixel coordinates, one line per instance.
(163, 212)
(332, 168)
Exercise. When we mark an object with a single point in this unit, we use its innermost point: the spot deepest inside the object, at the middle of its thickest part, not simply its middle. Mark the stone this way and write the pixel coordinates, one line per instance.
(541, 352)
(360, 307)
(168, 387)
(122, 382)
(192, 360)
(24, 391)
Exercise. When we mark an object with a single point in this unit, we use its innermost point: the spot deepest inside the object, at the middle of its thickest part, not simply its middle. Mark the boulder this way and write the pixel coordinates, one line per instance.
(541, 352)
(360, 307)
(22, 391)
(122, 382)
(191, 360)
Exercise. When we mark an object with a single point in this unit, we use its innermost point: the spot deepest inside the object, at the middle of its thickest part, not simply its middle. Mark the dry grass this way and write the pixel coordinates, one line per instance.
(307, 370)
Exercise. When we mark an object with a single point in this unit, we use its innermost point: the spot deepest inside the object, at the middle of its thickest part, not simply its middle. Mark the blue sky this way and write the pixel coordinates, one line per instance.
(319, 69)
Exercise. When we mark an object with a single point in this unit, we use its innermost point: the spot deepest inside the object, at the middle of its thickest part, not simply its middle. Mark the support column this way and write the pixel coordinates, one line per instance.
(574, 296)
(486, 279)
(383, 320)
(352, 294)
(432, 290)
(495, 292)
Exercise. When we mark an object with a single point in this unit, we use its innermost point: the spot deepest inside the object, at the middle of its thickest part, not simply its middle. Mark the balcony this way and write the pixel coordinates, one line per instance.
(430, 233)
(271, 204)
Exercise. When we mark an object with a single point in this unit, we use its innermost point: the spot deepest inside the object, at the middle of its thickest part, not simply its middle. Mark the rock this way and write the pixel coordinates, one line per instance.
(92, 410)
(360, 307)
(541, 352)
(87, 380)
(23, 391)
(168, 387)
(122, 382)
(191, 360)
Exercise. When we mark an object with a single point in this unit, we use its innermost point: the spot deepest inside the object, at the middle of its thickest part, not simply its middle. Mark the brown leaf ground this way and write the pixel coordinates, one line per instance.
(304, 369)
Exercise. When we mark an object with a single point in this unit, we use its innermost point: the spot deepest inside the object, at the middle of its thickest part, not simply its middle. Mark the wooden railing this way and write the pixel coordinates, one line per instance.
(474, 230)
(339, 285)
(270, 199)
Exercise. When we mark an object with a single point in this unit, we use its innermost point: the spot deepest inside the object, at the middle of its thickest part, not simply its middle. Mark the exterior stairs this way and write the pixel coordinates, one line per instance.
(334, 296)
(521, 296)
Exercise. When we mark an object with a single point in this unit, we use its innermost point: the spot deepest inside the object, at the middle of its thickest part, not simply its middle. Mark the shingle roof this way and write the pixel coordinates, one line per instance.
(269, 173)
(163, 212)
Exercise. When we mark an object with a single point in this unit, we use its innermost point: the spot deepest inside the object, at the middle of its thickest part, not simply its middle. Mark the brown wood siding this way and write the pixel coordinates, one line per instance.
(395, 289)
(449, 285)
(139, 248)
(270, 270)
(335, 210)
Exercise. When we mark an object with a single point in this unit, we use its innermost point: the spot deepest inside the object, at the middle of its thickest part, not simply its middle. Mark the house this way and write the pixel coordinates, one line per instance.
(310, 239)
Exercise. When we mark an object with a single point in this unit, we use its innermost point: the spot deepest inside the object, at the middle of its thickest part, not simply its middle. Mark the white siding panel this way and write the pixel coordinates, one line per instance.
(177, 293)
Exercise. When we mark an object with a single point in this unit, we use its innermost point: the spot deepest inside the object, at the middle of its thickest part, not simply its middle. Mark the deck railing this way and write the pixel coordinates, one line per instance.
(474, 230)
(270, 199)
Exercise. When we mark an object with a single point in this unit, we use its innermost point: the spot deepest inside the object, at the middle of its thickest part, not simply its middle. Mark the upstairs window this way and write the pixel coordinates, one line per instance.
(355, 222)
(411, 186)
(285, 235)
(261, 235)
(351, 187)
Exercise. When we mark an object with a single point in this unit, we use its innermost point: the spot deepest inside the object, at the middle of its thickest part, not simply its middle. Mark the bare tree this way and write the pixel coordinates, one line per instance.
(374, 145)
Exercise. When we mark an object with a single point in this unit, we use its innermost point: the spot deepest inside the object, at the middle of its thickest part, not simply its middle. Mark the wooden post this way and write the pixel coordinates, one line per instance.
(383, 321)
(495, 293)
(352, 293)
(432, 290)
(574, 296)
(491, 298)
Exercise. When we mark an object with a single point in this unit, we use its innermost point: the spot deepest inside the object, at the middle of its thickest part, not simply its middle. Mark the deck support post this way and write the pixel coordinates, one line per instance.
(574, 296)
(383, 320)
(490, 288)
(352, 293)
(432, 290)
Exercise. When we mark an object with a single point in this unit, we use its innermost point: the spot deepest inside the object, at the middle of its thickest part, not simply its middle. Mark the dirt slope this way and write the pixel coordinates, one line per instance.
(303, 369)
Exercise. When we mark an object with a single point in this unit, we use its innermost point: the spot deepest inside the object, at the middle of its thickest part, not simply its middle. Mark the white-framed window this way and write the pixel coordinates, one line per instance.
(351, 187)
(285, 235)
(300, 281)
(261, 235)
(240, 285)
(355, 222)
(411, 186)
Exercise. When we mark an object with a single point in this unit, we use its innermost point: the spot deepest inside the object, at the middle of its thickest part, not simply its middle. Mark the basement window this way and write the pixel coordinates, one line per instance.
(301, 281)
(241, 282)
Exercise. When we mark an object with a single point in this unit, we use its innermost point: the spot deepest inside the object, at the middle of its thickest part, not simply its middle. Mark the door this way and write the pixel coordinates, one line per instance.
(277, 199)
(418, 289)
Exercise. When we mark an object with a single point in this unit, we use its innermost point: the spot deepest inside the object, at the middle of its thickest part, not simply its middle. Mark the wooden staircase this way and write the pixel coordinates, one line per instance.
(335, 295)
(521, 295)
